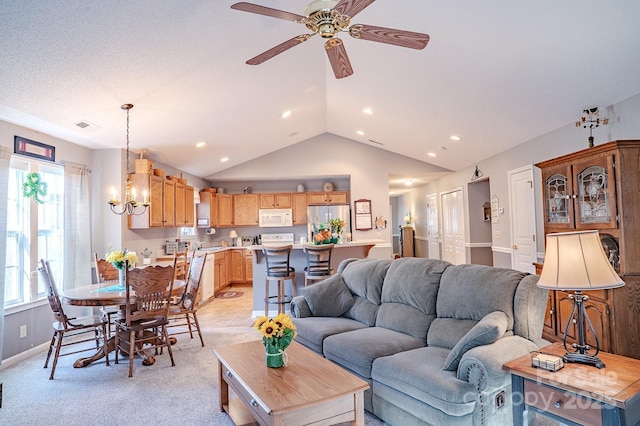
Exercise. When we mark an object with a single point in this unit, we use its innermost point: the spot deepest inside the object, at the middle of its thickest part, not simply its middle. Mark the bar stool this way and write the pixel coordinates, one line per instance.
(318, 263)
(279, 270)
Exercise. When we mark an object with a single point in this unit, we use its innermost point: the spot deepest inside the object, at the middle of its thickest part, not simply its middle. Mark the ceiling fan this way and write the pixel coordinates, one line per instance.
(329, 18)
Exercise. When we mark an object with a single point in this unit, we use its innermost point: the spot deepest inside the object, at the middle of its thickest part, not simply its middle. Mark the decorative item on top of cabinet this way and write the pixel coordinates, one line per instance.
(599, 188)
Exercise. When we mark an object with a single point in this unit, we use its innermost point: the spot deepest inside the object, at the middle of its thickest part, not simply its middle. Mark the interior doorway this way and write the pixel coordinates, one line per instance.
(523, 224)
(480, 239)
(433, 227)
(453, 242)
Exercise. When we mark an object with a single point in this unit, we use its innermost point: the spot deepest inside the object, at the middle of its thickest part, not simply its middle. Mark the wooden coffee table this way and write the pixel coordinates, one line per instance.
(309, 389)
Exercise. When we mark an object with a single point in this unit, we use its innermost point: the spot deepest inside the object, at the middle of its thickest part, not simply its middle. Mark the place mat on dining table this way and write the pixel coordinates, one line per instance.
(109, 289)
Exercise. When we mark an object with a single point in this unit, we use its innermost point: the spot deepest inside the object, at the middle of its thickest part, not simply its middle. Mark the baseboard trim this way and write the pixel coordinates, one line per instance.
(9, 362)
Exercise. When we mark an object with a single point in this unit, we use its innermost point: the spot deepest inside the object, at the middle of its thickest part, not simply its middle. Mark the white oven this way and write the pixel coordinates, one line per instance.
(271, 218)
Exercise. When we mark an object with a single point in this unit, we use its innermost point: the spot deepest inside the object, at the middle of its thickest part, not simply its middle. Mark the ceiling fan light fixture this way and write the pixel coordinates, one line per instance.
(320, 5)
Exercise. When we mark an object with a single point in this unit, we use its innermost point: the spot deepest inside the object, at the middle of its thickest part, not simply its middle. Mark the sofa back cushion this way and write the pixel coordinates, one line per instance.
(409, 296)
(364, 279)
(467, 294)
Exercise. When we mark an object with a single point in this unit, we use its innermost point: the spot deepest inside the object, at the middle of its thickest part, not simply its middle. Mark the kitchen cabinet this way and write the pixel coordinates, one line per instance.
(207, 210)
(299, 203)
(154, 215)
(599, 188)
(281, 200)
(169, 204)
(245, 209)
(220, 271)
(237, 266)
(334, 197)
(189, 207)
(180, 200)
(225, 210)
(248, 265)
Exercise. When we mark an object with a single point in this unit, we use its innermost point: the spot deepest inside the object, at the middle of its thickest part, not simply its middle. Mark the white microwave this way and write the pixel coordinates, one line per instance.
(271, 218)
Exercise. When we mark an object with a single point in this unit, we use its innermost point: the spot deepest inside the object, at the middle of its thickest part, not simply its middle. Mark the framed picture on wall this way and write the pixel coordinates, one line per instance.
(363, 215)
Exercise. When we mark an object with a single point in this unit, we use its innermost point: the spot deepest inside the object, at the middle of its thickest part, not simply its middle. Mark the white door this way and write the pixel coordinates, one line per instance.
(453, 249)
(523, 224)
(433, 240)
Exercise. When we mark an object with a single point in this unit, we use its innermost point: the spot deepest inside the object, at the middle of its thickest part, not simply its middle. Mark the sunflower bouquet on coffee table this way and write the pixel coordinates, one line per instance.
(277, 335)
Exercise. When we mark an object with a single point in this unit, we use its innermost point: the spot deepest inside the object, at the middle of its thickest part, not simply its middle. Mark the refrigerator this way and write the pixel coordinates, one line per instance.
(317, 215)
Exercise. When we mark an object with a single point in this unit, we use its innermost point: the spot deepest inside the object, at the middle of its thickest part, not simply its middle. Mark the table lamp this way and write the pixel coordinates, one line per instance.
(576, 261)
(233, 235)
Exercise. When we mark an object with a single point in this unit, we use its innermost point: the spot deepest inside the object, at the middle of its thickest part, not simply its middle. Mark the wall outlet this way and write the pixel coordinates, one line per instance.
(23, 331)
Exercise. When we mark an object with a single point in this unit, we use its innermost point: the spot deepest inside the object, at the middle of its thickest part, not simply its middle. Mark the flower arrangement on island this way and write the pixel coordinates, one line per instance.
(277, 334)
(118, 258)
(329, 232)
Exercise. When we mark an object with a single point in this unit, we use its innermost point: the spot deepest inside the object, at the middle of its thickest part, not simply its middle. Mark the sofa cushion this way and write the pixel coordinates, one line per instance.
(486, 331)
(472, 291)
(312, 331)
(418, 375)
(329, 298)
(364, 279)
(409, 296)
(356, 350)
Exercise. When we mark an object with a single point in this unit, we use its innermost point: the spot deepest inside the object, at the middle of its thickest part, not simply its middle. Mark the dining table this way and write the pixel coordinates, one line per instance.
(107, 294)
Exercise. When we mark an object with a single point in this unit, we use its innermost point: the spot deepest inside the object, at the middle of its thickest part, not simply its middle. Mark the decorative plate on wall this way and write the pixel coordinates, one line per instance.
(327, 187)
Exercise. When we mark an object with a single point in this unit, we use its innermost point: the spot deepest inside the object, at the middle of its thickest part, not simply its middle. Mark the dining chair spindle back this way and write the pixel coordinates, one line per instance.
(183, 313)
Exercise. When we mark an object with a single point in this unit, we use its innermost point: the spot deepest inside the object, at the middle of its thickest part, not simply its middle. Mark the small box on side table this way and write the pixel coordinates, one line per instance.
(577, 394)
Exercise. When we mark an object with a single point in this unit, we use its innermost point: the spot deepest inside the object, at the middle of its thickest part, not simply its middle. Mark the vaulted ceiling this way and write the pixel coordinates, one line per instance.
(496, 73)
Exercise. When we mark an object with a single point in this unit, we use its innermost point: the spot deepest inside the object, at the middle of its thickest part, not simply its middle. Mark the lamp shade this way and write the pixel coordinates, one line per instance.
(576, 260)
(233, 234)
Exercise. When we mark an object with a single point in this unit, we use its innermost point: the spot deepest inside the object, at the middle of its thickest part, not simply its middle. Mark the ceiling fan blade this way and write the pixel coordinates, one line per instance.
(267, 11)
(338, 58)
(282, 47)
(352, 7)
(390, 36)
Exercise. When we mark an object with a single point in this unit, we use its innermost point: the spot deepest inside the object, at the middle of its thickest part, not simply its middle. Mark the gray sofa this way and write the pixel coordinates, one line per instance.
(429, 337)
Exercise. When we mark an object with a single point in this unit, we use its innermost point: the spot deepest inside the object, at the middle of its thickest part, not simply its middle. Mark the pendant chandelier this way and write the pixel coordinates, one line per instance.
(130, 205)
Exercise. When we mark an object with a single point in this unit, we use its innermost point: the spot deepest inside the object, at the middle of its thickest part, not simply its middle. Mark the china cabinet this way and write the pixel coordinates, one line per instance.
(599, 188)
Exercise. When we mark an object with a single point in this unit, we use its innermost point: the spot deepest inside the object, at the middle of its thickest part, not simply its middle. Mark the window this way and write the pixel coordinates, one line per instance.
(34, 230)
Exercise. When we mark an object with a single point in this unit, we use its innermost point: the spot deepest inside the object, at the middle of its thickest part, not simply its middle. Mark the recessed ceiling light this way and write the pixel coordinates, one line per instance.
(455, 138)
(201, 144)
(286, 114)
(224, 159)
(360, 132)
(431, 154)
(368, 111)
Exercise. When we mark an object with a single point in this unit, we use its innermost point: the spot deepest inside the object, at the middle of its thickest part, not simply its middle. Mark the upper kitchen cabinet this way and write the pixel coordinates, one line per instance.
(225, 210)
(207, 210)
(245, 209)
(275, 201)
(334, 197)
(154, 215)
(169, 200)
(190, 207)
(299, 202)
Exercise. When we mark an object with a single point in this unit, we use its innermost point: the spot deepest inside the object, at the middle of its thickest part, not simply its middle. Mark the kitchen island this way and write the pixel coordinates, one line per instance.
(298, 260)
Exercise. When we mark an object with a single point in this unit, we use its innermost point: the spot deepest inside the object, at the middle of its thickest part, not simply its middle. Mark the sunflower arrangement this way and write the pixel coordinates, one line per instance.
(118, 258)
(277, 334)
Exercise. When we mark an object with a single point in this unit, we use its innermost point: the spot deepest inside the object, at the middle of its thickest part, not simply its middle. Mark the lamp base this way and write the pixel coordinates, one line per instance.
(583, 359)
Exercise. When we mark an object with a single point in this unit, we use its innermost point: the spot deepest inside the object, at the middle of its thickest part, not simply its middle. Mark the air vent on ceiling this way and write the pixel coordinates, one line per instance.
(86, 125)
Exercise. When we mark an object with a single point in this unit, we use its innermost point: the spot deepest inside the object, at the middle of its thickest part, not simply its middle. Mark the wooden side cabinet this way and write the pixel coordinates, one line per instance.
(577, 394)
(599, 188)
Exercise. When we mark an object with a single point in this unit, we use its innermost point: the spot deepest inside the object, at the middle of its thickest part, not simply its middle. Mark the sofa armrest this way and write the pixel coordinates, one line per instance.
(482, 365)
(300, 307)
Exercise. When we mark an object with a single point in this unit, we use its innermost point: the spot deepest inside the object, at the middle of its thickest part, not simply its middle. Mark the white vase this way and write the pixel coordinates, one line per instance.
(122, 277)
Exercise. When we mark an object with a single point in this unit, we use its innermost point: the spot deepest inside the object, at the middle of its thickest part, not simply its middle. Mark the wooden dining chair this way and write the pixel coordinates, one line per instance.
(70, 327)
(181, 265)
(148, 295)
(107, 273)
(183, 313)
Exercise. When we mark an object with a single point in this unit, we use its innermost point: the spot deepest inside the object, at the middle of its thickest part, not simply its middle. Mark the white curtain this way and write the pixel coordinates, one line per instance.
(5, 158)
(77, 226)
